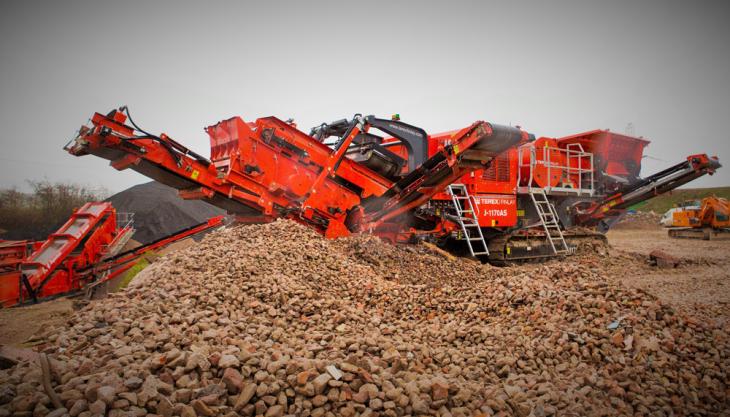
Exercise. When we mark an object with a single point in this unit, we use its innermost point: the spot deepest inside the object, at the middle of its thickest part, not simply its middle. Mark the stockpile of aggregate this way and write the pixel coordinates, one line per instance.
(159, 211)
(274, 320)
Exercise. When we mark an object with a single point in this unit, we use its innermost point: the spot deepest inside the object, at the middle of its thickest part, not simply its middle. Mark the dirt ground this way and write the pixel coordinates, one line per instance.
(19, 325)
(701, 281)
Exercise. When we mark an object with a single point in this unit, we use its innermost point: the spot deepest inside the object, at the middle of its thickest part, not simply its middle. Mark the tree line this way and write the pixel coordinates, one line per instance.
(40, 212)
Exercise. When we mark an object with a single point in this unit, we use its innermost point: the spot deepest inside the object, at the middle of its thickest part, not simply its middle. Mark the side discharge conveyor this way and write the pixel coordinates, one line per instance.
(81, 255)
(90, 230)
(694, 167)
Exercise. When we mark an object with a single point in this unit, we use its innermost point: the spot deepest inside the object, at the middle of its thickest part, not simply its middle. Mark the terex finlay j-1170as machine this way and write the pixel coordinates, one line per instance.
(492, 191)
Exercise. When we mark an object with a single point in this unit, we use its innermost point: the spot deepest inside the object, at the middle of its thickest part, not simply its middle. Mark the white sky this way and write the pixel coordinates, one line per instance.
(555, 68)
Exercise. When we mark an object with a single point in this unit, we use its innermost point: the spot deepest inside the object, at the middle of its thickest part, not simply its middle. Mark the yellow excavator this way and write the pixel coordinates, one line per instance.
(706, 219)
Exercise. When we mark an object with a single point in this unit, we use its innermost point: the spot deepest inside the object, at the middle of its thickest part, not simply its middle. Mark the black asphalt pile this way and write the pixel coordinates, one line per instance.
(274, 320)
(159, 211)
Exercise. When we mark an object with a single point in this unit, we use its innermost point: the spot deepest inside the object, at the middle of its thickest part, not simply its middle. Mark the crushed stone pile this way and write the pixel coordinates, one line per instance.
(159, 211)
(274, 320)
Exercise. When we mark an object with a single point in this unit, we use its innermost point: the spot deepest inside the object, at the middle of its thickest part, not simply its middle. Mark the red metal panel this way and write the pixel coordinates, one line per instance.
(12, 253)
(9, 288)
(499, 178)
(615, 153)
(496, 210)
(59, 245)
(547, 170)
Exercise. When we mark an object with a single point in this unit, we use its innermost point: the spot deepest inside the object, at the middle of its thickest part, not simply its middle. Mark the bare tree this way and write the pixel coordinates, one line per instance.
(36, 214)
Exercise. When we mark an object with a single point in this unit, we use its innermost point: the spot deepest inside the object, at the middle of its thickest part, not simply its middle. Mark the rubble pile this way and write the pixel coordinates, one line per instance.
(411, 264)
(274, 320)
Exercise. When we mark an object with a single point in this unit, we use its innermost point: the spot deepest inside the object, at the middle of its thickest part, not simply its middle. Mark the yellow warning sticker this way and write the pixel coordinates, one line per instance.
(456, 149)
(195, 174)
(509, 250)
(520, 213)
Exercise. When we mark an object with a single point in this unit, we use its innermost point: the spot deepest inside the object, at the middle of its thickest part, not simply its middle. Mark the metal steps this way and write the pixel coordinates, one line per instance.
(125, 225)
(549, 219)
(468, 220)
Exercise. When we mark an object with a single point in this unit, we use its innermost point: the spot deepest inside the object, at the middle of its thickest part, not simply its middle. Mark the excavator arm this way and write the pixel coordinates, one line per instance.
(714, 213)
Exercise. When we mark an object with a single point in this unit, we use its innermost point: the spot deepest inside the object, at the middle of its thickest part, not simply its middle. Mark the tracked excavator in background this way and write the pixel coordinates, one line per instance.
(489, 191)
(707, 219)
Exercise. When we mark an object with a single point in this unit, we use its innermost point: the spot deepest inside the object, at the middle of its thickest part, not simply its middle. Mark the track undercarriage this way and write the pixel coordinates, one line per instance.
(527, 246)
(700, 233)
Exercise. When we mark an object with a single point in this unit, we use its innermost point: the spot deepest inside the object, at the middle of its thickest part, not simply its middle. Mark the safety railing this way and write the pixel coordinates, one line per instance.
(124, 220)
(573, 163)
(125, 225)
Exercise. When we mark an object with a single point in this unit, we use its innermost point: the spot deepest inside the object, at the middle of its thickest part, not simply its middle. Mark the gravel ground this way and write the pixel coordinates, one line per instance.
(701, 282)
(273, 320)
(19, 325)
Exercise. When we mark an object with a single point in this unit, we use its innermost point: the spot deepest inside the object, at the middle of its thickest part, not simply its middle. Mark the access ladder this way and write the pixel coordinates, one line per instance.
(468, 220)
(549, 220)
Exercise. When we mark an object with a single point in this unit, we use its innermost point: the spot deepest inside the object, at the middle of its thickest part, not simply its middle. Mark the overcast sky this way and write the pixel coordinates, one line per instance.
(555, 68)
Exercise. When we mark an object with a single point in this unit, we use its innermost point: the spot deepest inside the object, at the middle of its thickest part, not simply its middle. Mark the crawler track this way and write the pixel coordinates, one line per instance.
(704, 234)
(520, 248)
